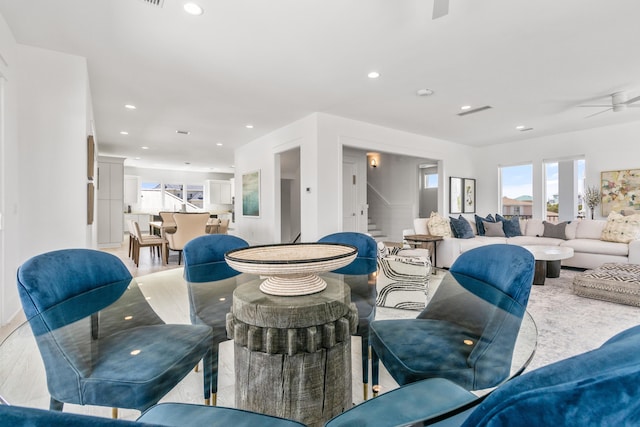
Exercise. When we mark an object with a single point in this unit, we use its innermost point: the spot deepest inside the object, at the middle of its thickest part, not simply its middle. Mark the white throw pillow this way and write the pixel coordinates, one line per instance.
(620, 228)
(438, 226)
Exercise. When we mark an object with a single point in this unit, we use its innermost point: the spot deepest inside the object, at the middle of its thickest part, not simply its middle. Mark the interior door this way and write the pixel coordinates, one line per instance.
(349, 197)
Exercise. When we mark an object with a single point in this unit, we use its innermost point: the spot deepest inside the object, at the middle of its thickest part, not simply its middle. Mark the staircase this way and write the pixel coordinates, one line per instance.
(375, 232)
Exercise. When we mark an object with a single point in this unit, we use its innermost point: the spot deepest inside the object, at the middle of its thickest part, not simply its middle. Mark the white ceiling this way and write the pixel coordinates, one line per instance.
(271, 62)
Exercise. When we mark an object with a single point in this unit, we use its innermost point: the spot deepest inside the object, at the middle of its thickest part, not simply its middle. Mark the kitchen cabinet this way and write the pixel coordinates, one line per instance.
(110, 201)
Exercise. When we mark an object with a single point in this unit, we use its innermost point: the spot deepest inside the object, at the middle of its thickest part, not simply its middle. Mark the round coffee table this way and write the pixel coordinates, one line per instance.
(548, 261)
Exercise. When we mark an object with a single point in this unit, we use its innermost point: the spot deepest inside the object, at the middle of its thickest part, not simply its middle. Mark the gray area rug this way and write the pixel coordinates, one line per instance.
(567, 324)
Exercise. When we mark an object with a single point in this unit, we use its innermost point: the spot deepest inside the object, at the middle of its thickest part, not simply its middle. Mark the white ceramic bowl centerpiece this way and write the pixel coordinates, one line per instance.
(292, 269)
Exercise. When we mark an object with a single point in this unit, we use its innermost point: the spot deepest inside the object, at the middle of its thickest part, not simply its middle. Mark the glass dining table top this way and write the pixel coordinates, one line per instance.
(166, 296)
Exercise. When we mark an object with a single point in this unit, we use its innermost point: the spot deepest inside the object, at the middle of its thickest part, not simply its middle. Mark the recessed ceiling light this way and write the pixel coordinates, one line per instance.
(130, 106)
(193, 9)
(520, 127)
(137, 158)
(465, 107)
(373, 75)
(424, 92)
(124, 132)
(145, 148)
(249, 126)
(219, 144)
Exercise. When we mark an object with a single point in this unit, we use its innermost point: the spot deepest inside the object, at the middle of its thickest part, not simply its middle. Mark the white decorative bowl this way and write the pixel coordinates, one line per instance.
(292, 268)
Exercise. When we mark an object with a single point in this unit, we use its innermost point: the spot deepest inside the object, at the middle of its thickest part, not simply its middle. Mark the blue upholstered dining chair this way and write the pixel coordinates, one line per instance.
(361, 278)
(101, 342)
(209, 302)
(163, 414)
(466, 337)
(596, 388)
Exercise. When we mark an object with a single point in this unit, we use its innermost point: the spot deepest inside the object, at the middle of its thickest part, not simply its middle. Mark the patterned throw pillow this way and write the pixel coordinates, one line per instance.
(620, 228)
(438, 226)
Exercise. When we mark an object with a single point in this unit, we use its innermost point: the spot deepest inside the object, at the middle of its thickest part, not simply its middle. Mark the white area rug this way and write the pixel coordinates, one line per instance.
(569, 324)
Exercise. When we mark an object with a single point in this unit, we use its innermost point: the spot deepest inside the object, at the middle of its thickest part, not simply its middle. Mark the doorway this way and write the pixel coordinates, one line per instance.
(349, 196)
(290, 208)
(428, 189)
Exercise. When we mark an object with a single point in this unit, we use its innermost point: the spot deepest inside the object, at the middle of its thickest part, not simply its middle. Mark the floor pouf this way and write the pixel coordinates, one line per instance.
(613, 282)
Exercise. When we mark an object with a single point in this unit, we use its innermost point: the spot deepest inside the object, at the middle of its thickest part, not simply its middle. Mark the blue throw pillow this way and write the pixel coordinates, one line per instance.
(511, 226)
(480, 226)
(461, 228)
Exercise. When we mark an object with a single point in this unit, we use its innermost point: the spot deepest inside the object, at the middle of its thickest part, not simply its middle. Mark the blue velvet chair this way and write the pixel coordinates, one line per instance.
(209, 302)
(361, 278)
(484, 307)
(164, 414)
(101, 342)
(596, 388)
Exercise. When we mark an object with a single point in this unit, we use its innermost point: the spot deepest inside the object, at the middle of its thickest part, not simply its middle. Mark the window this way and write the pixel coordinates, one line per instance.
(569, 204)
(516, 190)
(173, 197)
(151, 193)
(551, 191)
(430, 180)
(195, 195)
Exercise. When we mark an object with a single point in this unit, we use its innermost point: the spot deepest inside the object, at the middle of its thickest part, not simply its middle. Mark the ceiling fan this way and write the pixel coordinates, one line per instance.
(440, 8)
(619, 102)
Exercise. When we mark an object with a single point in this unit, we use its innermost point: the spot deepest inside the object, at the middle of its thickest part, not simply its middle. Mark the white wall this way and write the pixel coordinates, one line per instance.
(337, 132)
(9, 230)
(322, 138)
(52, 124)
(260, 155)
(604, 149)
(44, 157)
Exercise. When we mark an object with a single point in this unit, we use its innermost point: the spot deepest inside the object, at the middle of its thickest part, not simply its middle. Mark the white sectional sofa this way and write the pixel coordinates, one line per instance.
(582, 235)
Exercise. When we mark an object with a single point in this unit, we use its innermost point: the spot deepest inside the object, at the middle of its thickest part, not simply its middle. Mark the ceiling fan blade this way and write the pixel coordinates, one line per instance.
(631, 101)
(596, 105)
(599, 112)
(440, 8)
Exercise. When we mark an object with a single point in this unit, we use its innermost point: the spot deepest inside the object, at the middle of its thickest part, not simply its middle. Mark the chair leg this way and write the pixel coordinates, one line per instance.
(55, 405)
(179, 257)
(375, 365)
(136, 251)
(365, 365)
(207, 374)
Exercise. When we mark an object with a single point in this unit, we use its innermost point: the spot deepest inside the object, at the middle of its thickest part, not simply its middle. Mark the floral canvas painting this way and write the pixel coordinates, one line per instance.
(620, 190)
(469, 195)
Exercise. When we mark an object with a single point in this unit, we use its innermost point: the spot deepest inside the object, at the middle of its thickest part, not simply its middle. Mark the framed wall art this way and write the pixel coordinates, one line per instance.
(469, 205)
(455, 195)
(90, 202)
(620, 190)
(251, 194)
(91, 150)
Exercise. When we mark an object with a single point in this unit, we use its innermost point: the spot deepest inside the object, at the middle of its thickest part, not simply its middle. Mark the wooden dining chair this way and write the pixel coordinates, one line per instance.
(155, 243)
